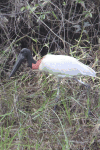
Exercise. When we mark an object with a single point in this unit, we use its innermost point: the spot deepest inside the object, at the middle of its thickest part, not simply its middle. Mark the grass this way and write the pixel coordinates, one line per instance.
(29, 122)
(27, 100)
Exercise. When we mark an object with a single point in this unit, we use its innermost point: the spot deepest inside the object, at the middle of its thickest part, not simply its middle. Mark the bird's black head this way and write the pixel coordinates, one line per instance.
(24, 53)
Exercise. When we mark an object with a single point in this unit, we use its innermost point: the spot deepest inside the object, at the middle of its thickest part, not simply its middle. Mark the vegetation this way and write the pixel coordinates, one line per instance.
(27, 118)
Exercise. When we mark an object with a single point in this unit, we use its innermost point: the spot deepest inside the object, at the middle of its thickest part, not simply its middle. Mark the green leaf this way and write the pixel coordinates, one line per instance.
(54, 14)
(22, 8)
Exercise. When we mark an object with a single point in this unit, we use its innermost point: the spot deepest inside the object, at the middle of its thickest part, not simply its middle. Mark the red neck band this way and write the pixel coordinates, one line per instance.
(36, 66)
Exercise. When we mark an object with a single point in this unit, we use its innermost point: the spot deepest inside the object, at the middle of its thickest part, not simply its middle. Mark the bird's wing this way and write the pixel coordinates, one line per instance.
(64, 65)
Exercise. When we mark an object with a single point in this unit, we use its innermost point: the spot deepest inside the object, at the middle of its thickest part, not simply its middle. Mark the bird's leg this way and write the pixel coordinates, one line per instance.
(88, 102)
(87, 85)
(57, 97)
(88, 91)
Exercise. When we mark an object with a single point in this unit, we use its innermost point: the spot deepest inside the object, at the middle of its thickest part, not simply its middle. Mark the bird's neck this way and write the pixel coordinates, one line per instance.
(36, 66)
(30, 61)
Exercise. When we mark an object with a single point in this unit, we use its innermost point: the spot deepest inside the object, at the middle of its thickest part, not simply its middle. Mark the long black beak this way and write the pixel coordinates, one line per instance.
(20, 59)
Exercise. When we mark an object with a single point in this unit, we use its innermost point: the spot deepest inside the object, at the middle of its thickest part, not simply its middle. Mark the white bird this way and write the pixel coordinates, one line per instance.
(58, 65)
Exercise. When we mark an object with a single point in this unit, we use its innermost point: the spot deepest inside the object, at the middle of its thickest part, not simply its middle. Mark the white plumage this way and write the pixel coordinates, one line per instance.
(65, 66)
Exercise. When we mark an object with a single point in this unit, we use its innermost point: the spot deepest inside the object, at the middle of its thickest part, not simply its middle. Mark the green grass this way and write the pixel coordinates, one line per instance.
(27, 117)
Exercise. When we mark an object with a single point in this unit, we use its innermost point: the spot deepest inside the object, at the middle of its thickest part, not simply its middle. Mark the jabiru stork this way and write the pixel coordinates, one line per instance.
(59, 65)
